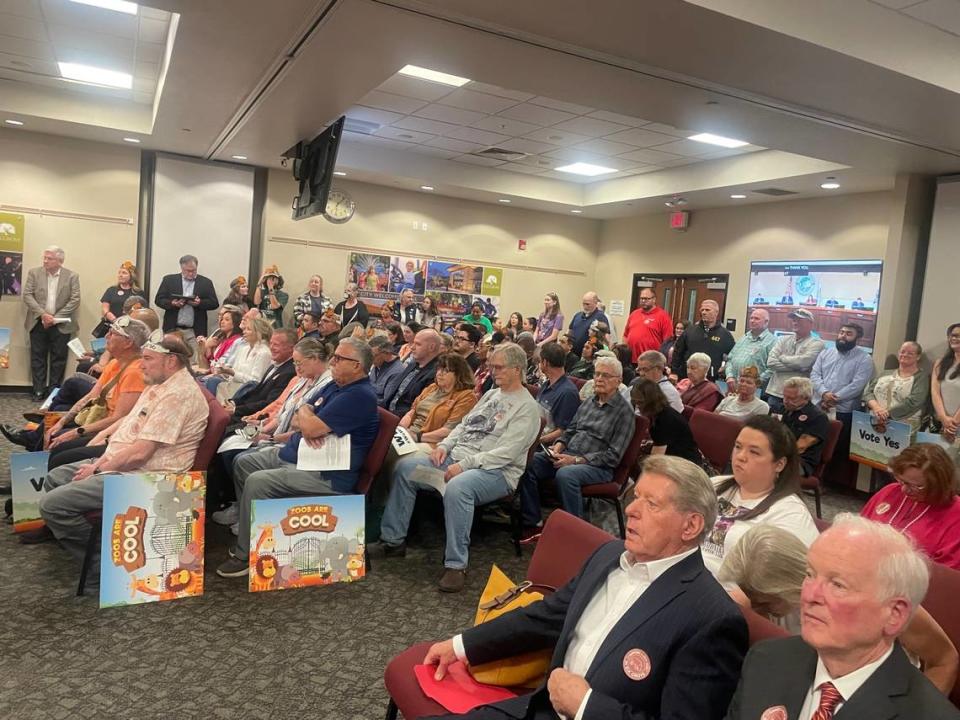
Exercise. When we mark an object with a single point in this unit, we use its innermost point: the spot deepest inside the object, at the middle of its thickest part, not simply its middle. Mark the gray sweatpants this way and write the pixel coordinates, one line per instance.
(64, 505)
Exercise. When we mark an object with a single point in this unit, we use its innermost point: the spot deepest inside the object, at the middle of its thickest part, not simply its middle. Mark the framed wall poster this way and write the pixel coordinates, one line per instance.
(12, 227)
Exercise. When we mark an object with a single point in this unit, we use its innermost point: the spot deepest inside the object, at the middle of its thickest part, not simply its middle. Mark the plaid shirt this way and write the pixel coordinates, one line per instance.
(750, 350)
(599, 432)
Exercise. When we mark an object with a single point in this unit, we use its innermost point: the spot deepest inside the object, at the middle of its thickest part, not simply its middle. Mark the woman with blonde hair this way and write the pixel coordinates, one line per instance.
(312, 300)
(744, 402)
(250, 361)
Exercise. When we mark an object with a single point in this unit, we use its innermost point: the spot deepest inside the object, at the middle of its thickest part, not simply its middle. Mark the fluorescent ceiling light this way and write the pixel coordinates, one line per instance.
(131, 140)
(426, 187)
(433, 75)
(712, 139)
(576, 212)
(587, 169)
(13, 122)
(95, 75)
(239, 157)
(830, 184)
(130, 8)
(339, 173)
(738, 197)
(504, 200)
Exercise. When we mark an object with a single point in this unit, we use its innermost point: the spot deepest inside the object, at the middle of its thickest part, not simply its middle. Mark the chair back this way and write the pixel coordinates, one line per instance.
(378, 451)
(564, 547)
(532, 389)
(641, 433)
(715, 435)
(217, 421)
(687, 412)
(941, 603)
(760, 628)
(579, 382)
(833, 436)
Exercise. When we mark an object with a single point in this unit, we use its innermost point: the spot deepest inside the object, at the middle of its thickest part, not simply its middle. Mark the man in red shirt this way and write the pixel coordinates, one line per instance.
(648, 327)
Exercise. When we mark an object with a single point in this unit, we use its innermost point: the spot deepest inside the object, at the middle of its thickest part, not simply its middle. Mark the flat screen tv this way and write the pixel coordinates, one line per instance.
(313, 164)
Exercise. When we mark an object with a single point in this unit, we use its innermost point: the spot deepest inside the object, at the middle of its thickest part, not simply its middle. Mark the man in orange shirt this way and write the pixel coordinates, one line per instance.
(648, 327)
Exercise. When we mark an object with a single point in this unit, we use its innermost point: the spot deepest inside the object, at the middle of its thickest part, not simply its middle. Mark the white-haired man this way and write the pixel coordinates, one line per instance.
(864, 581)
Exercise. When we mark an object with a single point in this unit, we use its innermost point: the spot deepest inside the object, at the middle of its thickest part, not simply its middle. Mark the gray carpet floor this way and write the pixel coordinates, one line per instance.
(308, 653)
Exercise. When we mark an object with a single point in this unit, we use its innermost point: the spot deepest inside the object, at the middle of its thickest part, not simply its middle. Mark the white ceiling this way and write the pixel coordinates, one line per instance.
(608, 82)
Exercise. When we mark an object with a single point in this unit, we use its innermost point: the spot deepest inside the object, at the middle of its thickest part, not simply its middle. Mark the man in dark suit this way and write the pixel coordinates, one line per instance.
(847, 662)
(644, 630)
(186, 297)
(274, 380)
(51, 293)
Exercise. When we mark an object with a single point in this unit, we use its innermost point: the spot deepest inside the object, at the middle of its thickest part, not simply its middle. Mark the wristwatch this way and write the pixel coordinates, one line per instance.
(81, 431)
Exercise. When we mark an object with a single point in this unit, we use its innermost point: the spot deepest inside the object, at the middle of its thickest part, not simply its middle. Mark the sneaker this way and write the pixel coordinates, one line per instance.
(235, 529)
(233, 568)
(452, 580)
(35, 537)
(228, 516)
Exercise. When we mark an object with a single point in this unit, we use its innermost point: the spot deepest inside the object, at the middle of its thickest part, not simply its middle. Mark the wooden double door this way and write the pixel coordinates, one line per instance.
(681, 295)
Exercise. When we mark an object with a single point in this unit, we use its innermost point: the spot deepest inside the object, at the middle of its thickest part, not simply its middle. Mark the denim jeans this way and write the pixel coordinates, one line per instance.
(568, 481)
(463, 494)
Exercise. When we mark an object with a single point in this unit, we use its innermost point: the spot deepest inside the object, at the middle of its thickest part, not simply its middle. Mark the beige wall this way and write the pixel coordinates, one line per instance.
(560, 255)
(726, 240)
(60, 174)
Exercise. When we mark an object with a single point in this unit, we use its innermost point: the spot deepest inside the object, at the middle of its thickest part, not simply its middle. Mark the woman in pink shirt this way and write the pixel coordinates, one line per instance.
(923, 502)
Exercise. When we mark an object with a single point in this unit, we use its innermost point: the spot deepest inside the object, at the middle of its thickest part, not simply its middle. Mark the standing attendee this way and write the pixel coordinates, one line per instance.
(269, 298)
(648, 327)
(430, 314)
(51, 294)
(387, 369)
(550, 322)
(418, 373)
(945, 392)
(695, 390)
(350, 309)
(115, 296)
(863, 583)
(584, 321)
(477, 317)
(186, 297)
(808, 423)
(751, 350)
(239, 295)
(791, 356)
(312, 300)
(707, 336)
(651, 365)
(900, 394)
(744, 402)
(407, 311)
(667, 348)
(465, 340)
(558, 397)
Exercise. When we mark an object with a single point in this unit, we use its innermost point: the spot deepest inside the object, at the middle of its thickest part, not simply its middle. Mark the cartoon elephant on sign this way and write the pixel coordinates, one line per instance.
(170, 501)
(337, 553)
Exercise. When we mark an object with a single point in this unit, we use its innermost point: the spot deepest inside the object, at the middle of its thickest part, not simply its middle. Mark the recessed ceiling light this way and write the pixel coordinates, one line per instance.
(433, 75)
(131, 140)
(339, 173)
(830, 184)
(576, 212)
(130, 8)
(712, 139)
(587, 169)
(95, 75)
(738, 197)
(13, 122)
(426, 187)
(504, 200)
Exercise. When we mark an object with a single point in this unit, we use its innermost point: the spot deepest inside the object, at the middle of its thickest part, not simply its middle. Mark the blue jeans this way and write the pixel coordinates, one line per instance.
(464, 493)
(568, 481)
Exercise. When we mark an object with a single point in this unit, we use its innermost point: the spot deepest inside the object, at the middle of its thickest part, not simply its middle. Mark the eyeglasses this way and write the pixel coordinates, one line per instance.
(644, 368)
(494, 367)
(462, 337)
(338, 358)
(603, 376)
(909, 488)
(646, 299)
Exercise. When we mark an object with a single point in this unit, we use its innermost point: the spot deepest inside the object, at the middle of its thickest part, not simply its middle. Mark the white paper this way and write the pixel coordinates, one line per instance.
(403, 443)
(334, 454)
(430, 476)
(76, 347)
(61, 321)
(237, 441)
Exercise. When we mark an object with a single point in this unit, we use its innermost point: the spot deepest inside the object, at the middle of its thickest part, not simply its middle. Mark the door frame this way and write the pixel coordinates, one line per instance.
(656, 277)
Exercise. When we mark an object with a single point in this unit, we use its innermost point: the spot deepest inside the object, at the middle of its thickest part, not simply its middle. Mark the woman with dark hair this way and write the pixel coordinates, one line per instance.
(431, 314)
(625, 356)
(515, 323)
(402, 337)
(114, 296)
(583, 367)
(442, 405)
(669, 430)
(679, 328)
(550, 322)
(215, 349)
(945, 391)
(529, 325)
(269, 298)
(764, 489)
(239, 295)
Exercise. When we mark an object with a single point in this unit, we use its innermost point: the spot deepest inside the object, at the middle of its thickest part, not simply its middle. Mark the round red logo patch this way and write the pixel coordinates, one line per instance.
(883, 508)
(636, 664)
(777, 712)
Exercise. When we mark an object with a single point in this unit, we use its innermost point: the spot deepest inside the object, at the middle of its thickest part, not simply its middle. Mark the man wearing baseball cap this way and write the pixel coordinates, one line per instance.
(792, 356)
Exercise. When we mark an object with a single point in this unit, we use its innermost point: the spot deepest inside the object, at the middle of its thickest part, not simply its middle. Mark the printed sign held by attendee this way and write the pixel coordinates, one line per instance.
(874, 447)
(27, 472)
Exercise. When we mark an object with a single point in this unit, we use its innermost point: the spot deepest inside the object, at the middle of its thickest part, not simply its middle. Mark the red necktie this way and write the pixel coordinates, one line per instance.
(829, 697)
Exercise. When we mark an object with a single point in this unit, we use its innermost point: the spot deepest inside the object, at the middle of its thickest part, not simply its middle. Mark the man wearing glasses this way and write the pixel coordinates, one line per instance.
(479, 462)
(648, 327)
(347, 406)
(465, 341)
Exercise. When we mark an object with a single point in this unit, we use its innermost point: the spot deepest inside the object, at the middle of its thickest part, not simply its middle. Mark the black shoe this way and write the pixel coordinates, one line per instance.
(382, 550)
(14, 435)
(35, 537)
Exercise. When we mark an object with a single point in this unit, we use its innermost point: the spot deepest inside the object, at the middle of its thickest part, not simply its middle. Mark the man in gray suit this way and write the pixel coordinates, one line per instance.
(52, 297)
(864, 581)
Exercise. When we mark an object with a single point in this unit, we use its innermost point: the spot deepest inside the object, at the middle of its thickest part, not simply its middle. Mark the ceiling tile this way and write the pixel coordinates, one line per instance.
(526, 145)
(153, 31)
(98, 49)
(618, 118)
(475, 160)
(22, 27)
(536, 114)
(686, 147)
(389, 101)
(476, 101)
(504, 126)
(391, 144)
(458, 146)
(604, 147)
(668, 130)
(423, 125)
(556, 137)
(144, 98)
(380, 117)
(591, 127)
(415, 88)
(24, 8)
(539, 161)
(944, 14)
(649, 156)
(403, 135)
(28, 49)
(640, 169)
(525, 169)
(150, 52)
(434, 151)
(478, 136)
(561, 105)
(641, 137)
(499, 91)
(89, 18)
(144, 85)
(569, 177)
(896, 4)
(154, 14)
(29, 65)
(146, 69)
(447, 114)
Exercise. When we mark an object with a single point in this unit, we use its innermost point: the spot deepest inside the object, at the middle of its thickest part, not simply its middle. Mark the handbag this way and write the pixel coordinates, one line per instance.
(97, 410)
(101, 329)
(527, 669)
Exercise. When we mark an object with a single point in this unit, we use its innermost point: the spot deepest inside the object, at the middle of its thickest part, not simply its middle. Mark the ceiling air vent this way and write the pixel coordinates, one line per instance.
(500, 154)
(364, 127)
(775, 192)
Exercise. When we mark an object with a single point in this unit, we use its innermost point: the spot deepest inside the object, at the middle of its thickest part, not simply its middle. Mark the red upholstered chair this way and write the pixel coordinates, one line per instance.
(688, 412)
(378, 451)
(760, 628)
(812, 482)
(941, 603)
(532, 389)
(715, 435)
(579, 382)
(821, 524)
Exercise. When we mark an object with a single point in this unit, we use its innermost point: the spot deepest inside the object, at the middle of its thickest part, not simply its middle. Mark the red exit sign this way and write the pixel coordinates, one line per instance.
(680, 220)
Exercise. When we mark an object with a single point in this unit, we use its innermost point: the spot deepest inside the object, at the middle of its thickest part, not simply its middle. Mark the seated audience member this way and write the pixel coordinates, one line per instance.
(385, 317)
(269, 298)
(923, 502)
(408, 331)
(407, 311)
(92, 362)
(587, 391)
(275, 378)
(329, 326)
(587, 452)
(515, 323)
(558, 397)
(529, 346)
(160, 433)
(900, 394)
(248, 363)
(239, 295)
(651, 365)
(583, 368)
(669, 429)
(529, 325)
(395, 335)
(476, 316)
(350, 309)
(430, 314)
(442, 405)
(310, 324)
(466, 336)
(346, 406)
(570, 358)
(111, 303)
(764, 489)
(808, 423)
(695, 390)
(666, 349)
(311, 300)
(863, 583)
(215, 349)
(765, 571)
(622, 351)
(648, 600)
(387, 368)
(417, 374)
(482, 380)
(446, 341)
(481, 461)
(744, 402)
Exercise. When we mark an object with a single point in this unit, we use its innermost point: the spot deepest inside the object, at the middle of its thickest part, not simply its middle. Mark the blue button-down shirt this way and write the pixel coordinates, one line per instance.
(845, 374)
(750, 350)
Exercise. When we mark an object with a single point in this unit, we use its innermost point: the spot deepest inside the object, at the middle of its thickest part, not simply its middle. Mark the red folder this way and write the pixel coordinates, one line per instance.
(458, 692)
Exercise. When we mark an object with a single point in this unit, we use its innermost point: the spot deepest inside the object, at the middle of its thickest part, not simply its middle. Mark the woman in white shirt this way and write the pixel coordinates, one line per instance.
(744, 402)
(764, 488)
(250, 361)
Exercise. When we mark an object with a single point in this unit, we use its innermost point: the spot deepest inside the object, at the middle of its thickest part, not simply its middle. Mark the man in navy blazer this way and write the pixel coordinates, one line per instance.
(185, 298)
(864, 580)
(643, 631)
